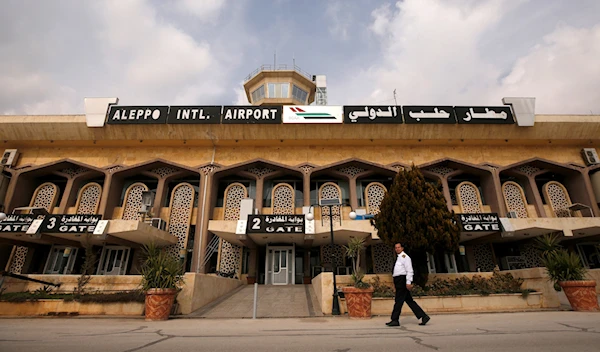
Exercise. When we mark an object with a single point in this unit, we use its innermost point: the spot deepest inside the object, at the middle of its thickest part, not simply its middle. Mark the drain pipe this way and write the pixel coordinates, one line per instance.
(255, 299)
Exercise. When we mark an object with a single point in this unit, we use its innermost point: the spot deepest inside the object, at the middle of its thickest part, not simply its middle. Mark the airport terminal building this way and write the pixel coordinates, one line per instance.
(228, 188)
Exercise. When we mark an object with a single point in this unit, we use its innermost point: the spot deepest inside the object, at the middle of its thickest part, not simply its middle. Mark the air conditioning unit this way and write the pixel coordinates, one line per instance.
(512, 215)
(158, 223)
(9, 157)
(590, 156)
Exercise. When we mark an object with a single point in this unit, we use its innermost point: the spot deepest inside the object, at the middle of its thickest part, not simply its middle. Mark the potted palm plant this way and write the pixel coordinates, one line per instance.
(568, 273)
(359, 296)
(162, 274)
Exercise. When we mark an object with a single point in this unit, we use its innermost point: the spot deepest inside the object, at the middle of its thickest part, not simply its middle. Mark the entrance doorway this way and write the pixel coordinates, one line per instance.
(113, 261)
(280, 265)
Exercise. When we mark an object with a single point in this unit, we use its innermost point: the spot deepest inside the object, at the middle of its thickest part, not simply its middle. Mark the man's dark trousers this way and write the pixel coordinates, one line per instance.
(402, 295)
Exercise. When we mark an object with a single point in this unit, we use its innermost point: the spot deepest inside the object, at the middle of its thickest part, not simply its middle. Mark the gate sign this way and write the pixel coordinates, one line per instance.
(275, 224)
(70, 223)
(488, 222)
(16, 222)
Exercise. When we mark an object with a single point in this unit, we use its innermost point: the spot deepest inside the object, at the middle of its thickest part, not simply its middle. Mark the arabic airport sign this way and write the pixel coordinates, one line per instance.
(372, 114)
(69, 223)
(194, 114)
(275, 224)
(17, 222)
(428, 114)
(313, 114)
(487, 222)
(137, 114)
(251, 114)
(484, 114)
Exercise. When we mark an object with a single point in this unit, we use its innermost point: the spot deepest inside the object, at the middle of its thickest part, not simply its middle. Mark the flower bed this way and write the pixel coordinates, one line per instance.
(499, 293)
(68, 304)
(476, 285)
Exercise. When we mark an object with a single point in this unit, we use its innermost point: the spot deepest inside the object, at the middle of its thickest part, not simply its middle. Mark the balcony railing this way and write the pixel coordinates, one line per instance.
(277, 68)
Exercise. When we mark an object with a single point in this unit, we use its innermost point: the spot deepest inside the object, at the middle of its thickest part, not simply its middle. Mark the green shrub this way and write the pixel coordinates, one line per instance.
(160, 269)
(563, 266)
(476, 285)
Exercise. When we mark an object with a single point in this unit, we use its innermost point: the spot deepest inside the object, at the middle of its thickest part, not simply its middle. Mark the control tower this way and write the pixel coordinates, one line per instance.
(280, 85)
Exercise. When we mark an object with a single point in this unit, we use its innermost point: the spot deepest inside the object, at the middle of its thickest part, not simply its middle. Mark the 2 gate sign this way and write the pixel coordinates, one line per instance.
(70, 223)
(275, 224)
(479, 222)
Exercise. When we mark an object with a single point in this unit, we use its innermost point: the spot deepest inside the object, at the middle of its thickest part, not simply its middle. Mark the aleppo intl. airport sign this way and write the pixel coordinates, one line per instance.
(311, 114)
(275, 224)
(251, 114)
(194, 114)
(487, 222)
(137, 114)
(428, 114)
(372, 114)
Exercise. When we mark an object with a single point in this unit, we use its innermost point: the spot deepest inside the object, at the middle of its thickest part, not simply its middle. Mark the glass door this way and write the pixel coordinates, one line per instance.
(60, 260)
(114, 260)
(280, 265)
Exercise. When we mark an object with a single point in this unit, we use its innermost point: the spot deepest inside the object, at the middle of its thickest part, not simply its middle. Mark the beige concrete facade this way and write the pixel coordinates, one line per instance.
(210, 155)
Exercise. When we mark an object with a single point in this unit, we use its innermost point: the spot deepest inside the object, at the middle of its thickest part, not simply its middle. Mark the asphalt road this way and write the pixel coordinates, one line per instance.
(539, 331)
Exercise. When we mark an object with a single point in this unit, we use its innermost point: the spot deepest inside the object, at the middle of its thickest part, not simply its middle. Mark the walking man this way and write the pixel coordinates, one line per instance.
(403, 277)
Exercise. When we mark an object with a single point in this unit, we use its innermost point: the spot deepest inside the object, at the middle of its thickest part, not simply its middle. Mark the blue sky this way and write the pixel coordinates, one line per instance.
(54, 53)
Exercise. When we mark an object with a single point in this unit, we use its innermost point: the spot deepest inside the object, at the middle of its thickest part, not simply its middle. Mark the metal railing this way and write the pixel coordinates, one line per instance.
(277, 68)
(211, 248)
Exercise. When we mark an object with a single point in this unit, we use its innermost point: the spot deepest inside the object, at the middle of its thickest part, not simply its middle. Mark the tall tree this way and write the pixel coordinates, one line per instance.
(414, 212)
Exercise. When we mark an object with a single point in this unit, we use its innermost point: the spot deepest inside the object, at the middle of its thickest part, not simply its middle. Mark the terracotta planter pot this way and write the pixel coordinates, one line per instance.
(159, 302)
(358, 302)
(581, 294)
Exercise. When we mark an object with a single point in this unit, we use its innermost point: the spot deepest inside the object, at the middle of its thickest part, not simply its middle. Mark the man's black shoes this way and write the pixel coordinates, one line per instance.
(393, 323)
(425, 320)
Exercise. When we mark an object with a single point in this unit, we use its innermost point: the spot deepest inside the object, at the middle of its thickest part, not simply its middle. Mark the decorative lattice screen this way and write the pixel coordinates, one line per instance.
(374, 193)
(469, 198)
(558, 198)
(45, 196)
(515, 199)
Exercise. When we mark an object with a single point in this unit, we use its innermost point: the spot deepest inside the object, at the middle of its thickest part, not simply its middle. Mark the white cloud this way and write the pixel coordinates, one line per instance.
(38, 94)
(562, 72)
(339, 19)
(240, 96)
(153, 59)
(205, 10)
(437, 52)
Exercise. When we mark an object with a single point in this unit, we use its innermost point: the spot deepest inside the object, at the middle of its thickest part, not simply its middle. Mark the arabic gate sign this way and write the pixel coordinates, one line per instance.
(372, 114)
(69, 223)
(488, 222)
(275, 224)
(484, 114)
(16, 222)
(428, 114)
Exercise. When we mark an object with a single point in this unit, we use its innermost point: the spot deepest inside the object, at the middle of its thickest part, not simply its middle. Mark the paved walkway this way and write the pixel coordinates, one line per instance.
(513, 332)
(293, 301)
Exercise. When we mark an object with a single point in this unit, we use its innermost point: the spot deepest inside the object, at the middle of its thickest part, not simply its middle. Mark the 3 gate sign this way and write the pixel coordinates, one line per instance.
(275, 224)
(70, 223)
(479, 222)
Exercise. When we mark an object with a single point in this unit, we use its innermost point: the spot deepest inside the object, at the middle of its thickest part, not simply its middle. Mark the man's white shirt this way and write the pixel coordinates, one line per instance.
(403, 266)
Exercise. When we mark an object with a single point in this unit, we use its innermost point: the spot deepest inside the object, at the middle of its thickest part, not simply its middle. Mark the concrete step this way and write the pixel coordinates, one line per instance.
(291, 301)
